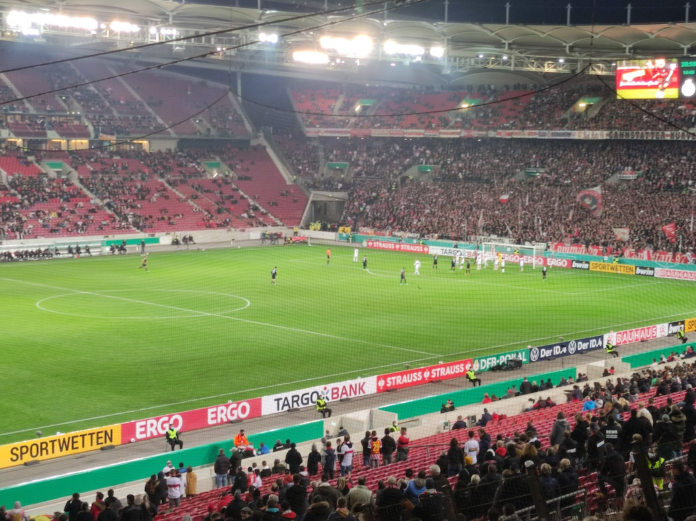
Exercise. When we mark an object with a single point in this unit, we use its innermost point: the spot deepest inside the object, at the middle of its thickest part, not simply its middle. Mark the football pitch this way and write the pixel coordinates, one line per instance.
(96, 341)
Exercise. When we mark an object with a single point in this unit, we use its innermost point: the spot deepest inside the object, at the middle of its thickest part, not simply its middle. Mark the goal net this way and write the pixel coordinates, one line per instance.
(531, 254)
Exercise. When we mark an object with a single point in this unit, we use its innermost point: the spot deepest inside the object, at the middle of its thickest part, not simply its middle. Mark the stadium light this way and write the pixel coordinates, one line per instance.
(311, 57)
(561, 60)
(358, 47)
(22, 20)
(123, 27)
(391, 47)
(270, 38)
(505, 57)
(437, 51)
(480, 55)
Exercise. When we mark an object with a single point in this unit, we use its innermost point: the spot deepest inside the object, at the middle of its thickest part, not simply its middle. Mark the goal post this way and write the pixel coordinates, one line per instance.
(530, 253)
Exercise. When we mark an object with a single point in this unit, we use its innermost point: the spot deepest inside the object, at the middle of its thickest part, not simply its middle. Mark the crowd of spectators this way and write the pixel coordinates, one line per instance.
(504, 107)
(124, 125)
(302, 155)
(483, 470)
(474, 176)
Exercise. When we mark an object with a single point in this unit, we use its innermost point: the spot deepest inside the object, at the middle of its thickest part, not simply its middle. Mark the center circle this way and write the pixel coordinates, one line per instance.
(134, 297)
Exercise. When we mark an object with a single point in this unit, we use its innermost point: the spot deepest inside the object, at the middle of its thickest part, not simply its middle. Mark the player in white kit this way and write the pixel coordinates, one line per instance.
(355, 255)
(416, 265)
(521, 264)
(458, 259)
(478, 261)
(502, 265)
(495, 264)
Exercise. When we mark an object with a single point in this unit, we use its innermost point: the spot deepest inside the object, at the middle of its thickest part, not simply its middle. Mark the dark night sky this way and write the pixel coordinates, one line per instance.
(521, 11)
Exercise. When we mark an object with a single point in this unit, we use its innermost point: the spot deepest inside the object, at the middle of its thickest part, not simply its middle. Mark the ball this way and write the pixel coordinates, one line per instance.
(39, 433)
(132, 440)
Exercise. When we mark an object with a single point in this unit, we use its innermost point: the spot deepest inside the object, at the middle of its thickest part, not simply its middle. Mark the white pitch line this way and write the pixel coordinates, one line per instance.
(203, 313)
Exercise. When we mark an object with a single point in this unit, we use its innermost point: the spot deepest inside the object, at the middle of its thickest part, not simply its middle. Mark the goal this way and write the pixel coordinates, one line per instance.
(514, 253)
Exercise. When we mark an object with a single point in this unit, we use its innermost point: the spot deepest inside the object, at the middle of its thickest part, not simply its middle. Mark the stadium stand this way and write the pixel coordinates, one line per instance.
(258, 176)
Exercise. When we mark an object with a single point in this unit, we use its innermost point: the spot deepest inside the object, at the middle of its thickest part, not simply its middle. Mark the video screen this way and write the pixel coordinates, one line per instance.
(648, 79)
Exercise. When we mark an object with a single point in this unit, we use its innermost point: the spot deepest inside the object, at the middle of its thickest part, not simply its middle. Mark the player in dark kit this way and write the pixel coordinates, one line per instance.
(435, 261)
(144, 264)
(403, 277)
(468, 267)
(453, 264)
(543, 273)
(274, 272)
(365, 262)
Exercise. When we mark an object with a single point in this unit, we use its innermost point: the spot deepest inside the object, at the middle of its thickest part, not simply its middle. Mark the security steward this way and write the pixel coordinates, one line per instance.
(471, 376)
(609, 348)
(681, 336)
(172, 436)
(394, 427)
(657, 469)
(322, 409)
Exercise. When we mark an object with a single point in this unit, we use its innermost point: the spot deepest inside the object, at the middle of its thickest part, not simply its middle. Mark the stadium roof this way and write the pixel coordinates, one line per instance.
(516, 49)
(613, 40)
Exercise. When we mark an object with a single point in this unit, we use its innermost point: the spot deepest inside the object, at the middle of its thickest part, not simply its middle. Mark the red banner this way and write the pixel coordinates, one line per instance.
(360, 132)
(640, 334)
(664, 273)
(396, 246)
(140, 430)
(424, 375)
(558, 263)
(670, 231)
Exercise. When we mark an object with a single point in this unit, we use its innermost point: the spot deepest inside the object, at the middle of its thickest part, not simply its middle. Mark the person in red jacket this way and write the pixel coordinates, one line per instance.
(402, 448)
(98, 505)
(486, 398)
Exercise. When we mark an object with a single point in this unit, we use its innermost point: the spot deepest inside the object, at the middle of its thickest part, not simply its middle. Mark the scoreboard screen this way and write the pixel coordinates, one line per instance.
(658, 78)
(687, 78)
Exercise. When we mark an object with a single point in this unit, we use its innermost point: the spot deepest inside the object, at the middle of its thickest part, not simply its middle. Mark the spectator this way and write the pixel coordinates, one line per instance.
(235, 506)
(471, 447)
(402, 445)
(549, 484)
(388, 447)
(115, 504)
(221, 468)
(73, 507)
(360, 494)
(313, 460)
(439, 479)
(296, 495)
(293, 459)
(98, 505)
(83, 515)
(191, 483)
(560, 426)
(342, 513)
(683, 493)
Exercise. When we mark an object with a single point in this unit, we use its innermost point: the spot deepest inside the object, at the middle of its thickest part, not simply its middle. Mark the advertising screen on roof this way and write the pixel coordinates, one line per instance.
(657, 78)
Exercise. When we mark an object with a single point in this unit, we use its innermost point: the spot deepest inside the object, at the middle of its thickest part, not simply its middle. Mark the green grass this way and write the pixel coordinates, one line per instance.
(96, 341)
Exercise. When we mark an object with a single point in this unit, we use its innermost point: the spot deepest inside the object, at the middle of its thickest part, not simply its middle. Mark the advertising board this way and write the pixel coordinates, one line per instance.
(156, 427)
(486, 363)
(423, 375)
(656, 78)
(606, 267)
(567, 348)
(50, 447)
(282, 402)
